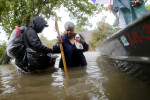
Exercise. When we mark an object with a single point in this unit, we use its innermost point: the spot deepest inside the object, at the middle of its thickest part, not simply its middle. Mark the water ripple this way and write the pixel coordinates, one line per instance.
(6, 77)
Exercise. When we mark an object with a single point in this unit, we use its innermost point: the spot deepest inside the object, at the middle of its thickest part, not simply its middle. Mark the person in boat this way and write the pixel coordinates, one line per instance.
(129, 10)
(31, 40)
(74, 56)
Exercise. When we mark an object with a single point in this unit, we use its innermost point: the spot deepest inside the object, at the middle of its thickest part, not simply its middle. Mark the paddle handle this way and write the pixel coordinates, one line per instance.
(63, 58)
(62, 51)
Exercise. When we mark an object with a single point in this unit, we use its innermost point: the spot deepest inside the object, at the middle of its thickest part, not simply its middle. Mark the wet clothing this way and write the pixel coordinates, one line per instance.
(73, 56)
(32, 38)
(33, 41)
(75, 59)
(129, 13)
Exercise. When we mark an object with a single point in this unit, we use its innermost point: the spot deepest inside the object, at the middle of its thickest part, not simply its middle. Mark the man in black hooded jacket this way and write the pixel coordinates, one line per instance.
(31, 37)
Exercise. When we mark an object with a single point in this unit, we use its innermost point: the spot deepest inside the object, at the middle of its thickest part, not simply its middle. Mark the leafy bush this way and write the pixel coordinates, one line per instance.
(101, 33)
(46, 42)
(2, 49)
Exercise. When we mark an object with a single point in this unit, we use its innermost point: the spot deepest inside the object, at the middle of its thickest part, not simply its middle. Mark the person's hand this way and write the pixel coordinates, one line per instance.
(110, 7)
(81, 41)
(136, 3)
(59, 39)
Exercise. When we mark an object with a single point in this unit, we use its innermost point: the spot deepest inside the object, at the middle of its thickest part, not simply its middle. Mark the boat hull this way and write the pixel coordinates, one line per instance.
(130, 48)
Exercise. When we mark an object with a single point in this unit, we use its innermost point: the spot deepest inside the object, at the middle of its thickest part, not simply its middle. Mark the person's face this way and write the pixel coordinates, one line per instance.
(77, 39)
(69, 32)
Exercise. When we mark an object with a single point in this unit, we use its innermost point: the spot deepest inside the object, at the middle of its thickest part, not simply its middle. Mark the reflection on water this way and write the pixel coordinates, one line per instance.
(6, 79)
(100, 80)
(121, 86)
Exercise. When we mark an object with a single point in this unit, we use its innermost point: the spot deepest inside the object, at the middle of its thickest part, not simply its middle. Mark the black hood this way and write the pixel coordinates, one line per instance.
(37, 24)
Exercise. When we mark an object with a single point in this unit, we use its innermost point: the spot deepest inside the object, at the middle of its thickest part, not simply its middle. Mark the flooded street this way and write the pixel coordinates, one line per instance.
(100, 80)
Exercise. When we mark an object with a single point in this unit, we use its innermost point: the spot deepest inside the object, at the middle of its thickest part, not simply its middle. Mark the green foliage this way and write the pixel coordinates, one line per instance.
(46, 42)
(2, 49)
(101, 33)
(20, 12)
(79, 29)
(116, 23)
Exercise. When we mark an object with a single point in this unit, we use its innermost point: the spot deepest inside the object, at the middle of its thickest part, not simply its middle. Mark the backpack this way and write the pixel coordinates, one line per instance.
(15, 44)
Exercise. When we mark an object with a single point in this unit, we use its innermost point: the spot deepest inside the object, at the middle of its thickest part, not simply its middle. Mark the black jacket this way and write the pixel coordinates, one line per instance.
(33, 41)
(36, 26)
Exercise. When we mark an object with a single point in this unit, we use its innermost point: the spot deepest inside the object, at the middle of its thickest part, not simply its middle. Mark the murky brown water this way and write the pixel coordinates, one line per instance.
(100, 80)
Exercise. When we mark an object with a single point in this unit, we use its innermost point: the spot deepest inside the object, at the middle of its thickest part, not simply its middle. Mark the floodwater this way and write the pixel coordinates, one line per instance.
(100, 80)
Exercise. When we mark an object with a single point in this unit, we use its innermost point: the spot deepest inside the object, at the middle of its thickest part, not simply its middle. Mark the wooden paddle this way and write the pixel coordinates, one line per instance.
(62, 51)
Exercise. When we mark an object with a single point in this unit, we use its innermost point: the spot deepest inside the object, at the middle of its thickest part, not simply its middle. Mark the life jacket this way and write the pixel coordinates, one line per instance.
(15, 44)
